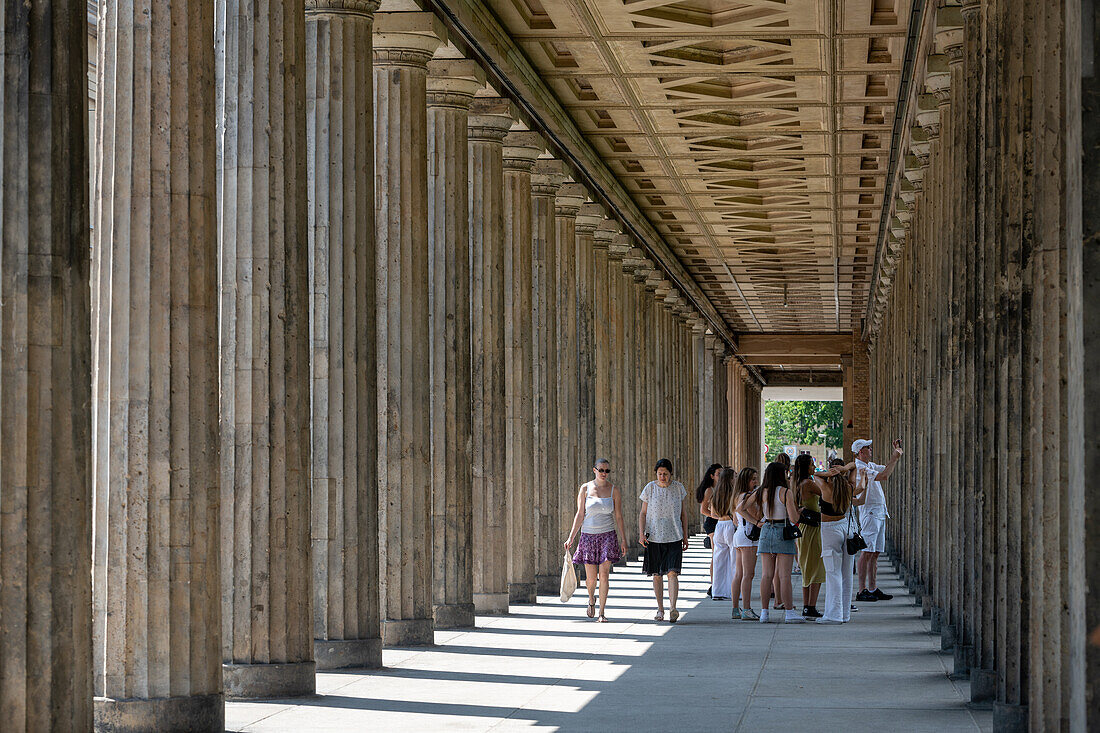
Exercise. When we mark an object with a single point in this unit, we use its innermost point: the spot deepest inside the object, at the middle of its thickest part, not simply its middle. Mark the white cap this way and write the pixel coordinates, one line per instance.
(860, 445)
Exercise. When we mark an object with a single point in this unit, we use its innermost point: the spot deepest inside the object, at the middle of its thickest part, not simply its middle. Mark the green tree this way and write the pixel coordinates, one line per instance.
(791, 422)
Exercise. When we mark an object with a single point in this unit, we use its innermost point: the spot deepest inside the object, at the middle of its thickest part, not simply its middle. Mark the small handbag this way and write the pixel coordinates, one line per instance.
(790, 531)
(809, 517)
(753, 532)
(855, 542)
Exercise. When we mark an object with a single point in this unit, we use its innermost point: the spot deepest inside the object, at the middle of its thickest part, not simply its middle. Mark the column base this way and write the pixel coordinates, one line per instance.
(491, 603)
(246, 681)
(937, 620)
(948, 637)
(1009, 718)
(925, 603)
(194, 712)
(961, 670)
(454, 616)
(408, 632)
(347, 653)
(548, 585)
(983, 685)
(522, 593)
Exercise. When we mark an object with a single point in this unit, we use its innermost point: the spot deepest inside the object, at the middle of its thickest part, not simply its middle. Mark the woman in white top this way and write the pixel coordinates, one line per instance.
(744, 489)
(662, 530)
(600, 521)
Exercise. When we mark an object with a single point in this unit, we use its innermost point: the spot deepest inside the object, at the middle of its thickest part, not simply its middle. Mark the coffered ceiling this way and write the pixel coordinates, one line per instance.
(754, 135)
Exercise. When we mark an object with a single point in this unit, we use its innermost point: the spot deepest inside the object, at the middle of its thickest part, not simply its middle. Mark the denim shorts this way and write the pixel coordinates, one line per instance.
(771, 540)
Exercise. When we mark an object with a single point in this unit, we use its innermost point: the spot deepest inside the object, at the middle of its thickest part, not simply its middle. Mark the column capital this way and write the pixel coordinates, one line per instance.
(364, 8)
(970, 8)
(406, 38)
(950, 34)
(453, 82)
(521, 149)
(620, 246)
(605, 232)
(490, 119)
(569, 199)
(589, 217)
(548, 177)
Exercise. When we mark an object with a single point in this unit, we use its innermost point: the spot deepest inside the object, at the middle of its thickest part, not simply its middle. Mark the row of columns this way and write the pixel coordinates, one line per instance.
(746, 417)
(977, 363)
(356, 342)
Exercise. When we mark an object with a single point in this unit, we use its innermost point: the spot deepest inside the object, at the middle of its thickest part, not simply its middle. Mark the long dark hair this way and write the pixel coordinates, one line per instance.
(744, 481)
(842, 493)
(706, 483)
(803, 468)
(722, 500)
(775, 475)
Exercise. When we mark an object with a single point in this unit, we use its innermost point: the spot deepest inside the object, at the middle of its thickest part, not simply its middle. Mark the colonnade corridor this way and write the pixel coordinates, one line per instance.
(548, 667)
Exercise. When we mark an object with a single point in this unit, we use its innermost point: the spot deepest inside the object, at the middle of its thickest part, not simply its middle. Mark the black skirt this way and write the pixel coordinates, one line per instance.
(709, 523)
(663, 557)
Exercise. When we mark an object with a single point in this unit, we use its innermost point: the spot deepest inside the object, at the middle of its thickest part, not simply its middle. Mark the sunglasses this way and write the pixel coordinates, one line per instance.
(603, 470)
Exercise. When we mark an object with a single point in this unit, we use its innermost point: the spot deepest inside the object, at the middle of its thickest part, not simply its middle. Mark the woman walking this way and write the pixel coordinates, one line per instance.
(599, 519)
(703, 496)
(725, 556)
(776, 505)
(838, 496)
(809, 544)
(662, 531)
(747, 482)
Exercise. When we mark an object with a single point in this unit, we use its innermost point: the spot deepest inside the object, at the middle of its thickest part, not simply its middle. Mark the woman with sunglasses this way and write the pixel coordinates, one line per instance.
(600, 521)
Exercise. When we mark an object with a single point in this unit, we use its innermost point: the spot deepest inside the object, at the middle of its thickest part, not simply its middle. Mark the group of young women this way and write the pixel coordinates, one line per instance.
(791, 510)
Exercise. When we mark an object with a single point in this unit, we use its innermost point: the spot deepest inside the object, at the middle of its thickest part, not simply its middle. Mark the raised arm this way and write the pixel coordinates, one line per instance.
(578, 519)
(885, 473)
(830, 472)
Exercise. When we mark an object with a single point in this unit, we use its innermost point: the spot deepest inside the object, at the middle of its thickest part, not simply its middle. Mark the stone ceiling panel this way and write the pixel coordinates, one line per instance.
(754, 134)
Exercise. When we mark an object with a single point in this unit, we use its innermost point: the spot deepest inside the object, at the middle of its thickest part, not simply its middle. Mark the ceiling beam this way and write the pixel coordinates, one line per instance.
(804, 378)
(786, 348)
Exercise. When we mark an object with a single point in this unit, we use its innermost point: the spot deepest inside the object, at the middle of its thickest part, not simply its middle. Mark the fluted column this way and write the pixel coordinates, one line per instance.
(570, 467)
(451, 87)
(489, 121)
(589, 217)
(547, 180)
(621, 367)
(156, 638)
(601, 338)
(520, 150)
(45, 372)
(264, 356)
(403, 45)
(343, 404)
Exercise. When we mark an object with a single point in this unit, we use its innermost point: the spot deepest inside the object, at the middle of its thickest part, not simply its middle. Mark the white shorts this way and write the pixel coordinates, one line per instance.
(873, 527)
(739, 537)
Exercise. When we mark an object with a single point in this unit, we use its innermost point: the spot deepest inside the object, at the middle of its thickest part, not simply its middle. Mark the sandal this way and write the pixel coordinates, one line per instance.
(591, 609)
(673, 616)
(660, 616)
(602, 619)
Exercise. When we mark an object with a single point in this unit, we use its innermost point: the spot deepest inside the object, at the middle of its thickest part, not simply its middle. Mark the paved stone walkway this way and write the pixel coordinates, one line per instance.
(548, 667)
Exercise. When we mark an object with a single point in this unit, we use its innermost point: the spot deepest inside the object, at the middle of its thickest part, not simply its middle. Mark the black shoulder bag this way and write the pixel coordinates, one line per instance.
(790, 531)
(854, 542)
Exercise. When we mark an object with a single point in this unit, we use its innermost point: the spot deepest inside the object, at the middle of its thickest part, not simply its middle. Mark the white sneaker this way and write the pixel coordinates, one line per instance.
(763, 615)
(793, 617)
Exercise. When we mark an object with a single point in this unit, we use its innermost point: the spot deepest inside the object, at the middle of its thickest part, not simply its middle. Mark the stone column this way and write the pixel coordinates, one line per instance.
(602, 336)
(549, 175)
(264, 350)
(451, 87)
(343, 404)
(520, 150)
(589, 217)
(403, 46)
(155, 584)
(489, 121)
(621, 366)
(571, 468)
(45, 372)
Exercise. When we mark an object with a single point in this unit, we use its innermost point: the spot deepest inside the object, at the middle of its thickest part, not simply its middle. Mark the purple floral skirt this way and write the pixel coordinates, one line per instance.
(594, 549)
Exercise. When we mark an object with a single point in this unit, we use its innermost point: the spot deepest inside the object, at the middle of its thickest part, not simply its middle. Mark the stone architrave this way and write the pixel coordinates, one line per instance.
(549, 175)
(45, 372)
(571, 469)
(588, 218)
(489, 120)
(156, 634)
(267, 594)
(521, 148)
(343, 404)
(451, 87)
(403, 45)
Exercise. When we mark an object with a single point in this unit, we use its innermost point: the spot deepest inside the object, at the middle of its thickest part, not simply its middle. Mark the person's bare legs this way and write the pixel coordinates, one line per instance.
(861, 566)
(659, 594)
(738, 572)
(605, 575)
(590, 583)
(746, 560)
(815, 593)
(783, 565)
(806, 595)
(673, 590)
(767, 578)
(872, 570)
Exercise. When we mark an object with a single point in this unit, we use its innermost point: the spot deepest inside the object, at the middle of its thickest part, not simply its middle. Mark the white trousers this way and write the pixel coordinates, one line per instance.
(725, 559)
(838, 571)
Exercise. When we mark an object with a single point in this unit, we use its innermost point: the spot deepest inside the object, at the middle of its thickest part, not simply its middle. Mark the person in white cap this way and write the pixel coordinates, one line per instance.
(873, 515)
